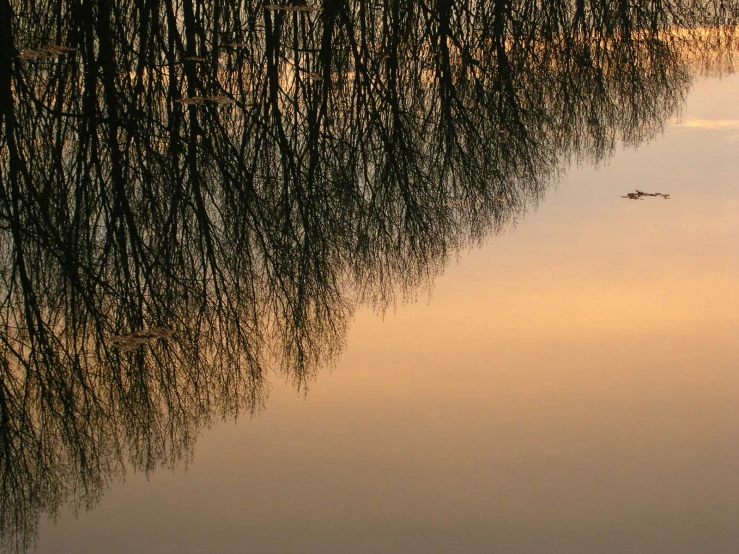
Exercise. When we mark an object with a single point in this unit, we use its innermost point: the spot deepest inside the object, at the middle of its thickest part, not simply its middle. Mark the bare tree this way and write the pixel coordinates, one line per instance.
(196, 192)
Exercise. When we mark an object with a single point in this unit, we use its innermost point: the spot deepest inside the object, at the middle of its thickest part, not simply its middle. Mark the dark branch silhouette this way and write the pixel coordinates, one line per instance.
(194, 193)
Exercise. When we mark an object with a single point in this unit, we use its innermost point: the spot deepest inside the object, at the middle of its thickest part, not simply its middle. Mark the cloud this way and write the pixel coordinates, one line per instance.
(720, 124)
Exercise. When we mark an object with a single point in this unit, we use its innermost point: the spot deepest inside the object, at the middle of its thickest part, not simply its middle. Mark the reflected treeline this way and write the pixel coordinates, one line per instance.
(243, 175)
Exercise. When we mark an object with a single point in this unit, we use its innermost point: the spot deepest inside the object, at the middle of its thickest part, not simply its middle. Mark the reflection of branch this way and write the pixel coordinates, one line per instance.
(363, 145)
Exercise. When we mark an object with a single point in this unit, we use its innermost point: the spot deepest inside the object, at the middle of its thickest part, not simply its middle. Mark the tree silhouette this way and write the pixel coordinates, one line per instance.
(240, 176)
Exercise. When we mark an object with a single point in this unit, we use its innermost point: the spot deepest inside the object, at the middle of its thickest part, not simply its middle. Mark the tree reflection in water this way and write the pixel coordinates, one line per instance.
(242, 176)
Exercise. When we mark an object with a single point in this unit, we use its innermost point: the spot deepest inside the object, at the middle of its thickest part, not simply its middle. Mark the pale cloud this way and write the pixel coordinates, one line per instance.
(720, 124)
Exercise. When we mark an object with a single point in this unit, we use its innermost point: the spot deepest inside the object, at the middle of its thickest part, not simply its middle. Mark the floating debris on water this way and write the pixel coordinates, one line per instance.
(131, 341)
(45, 52)
(199, 100)
(638, 195)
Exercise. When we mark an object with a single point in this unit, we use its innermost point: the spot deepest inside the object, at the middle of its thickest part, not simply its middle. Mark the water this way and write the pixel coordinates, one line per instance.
(568, 385)
(589, 407)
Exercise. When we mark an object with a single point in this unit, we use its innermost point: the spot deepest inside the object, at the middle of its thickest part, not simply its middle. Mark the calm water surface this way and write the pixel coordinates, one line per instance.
(570, 387)
(363, 278)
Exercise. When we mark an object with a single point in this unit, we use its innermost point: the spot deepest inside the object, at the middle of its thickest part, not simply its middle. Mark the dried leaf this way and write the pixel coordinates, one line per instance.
(44, 52)
(199, 100)
(299, 8)
(131, 341)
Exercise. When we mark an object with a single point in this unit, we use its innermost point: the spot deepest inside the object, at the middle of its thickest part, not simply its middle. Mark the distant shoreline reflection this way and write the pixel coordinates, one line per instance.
(193, 196)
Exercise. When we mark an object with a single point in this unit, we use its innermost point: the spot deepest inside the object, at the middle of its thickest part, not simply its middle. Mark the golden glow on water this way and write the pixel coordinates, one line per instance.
(570, 387)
